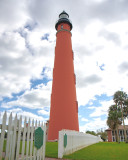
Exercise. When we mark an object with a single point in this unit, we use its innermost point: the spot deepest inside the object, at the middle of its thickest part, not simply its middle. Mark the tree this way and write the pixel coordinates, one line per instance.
(102, 134)
(126, 109)
(114, 119)
(91, 132)
(120, 98)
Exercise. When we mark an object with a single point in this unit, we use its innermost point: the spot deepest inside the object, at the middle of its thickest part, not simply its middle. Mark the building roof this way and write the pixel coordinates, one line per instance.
(63, 13)
(121, 127)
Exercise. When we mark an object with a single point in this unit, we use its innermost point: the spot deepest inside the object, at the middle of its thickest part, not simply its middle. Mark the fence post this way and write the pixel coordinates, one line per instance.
(23, 139)
(28, 135)
(18, 139)
(34, 154)
(14, 138)
(60, 145)
(2, 134)
(31, 147)
(44, 141)
(8, 137)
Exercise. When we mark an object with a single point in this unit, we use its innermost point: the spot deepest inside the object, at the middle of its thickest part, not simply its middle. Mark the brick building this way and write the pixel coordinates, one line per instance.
(112, 134)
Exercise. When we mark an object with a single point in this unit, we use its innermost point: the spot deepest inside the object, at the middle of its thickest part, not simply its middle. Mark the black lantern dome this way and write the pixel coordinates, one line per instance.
(63, 18)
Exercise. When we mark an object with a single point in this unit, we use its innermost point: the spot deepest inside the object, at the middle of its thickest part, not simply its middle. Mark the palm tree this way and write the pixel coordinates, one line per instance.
(126, 114)
(114, 119)
(120, 98)
(126, 109)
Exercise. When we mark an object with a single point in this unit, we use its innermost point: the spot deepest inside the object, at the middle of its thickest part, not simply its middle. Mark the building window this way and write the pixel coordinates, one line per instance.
(122, 138)
(121, 133)
(61, 26)
(63, 16)
(75, 78)
(77, 106)
(113, 138)
(72, 55)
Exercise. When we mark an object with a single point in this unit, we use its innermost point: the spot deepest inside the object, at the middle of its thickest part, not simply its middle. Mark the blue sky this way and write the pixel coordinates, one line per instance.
(27, 45)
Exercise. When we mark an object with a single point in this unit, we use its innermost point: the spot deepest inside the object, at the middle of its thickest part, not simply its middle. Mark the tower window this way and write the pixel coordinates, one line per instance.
(61, 26)
(63, 16)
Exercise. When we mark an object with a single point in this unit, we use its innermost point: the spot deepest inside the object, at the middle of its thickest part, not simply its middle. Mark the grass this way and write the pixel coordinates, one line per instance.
(52, 149)
(101, 151)
(20, 150)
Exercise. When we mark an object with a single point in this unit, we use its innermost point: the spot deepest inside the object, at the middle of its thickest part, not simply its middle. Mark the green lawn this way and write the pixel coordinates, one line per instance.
(52, 149)
(99, 151)
(4, 147)
(102, 151)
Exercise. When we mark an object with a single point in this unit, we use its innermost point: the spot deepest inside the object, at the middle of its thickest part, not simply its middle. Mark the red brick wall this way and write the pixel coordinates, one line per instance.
(109, 136)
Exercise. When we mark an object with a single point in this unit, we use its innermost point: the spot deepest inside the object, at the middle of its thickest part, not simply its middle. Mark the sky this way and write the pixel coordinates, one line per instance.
(27, 48)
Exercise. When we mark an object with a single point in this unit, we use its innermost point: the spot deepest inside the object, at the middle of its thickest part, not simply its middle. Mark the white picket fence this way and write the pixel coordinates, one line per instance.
(19, 132)
(71, 141)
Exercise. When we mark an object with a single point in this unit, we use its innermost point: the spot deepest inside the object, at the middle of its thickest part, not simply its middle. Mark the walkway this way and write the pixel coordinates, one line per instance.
(55, 159)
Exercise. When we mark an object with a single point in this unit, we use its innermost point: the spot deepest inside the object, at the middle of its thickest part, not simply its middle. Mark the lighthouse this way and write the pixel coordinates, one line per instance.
(64, 105)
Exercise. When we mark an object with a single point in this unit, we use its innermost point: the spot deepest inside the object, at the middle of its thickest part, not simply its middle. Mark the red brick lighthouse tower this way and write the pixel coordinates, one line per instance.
(64, 106)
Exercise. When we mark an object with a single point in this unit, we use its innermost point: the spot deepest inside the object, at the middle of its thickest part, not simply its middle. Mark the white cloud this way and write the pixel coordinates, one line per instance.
(102, 110)
(84, 120)
(19, 65)
(13, 14)
(105, 51)
(43, 112)
(94, 125)
(34, 98)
